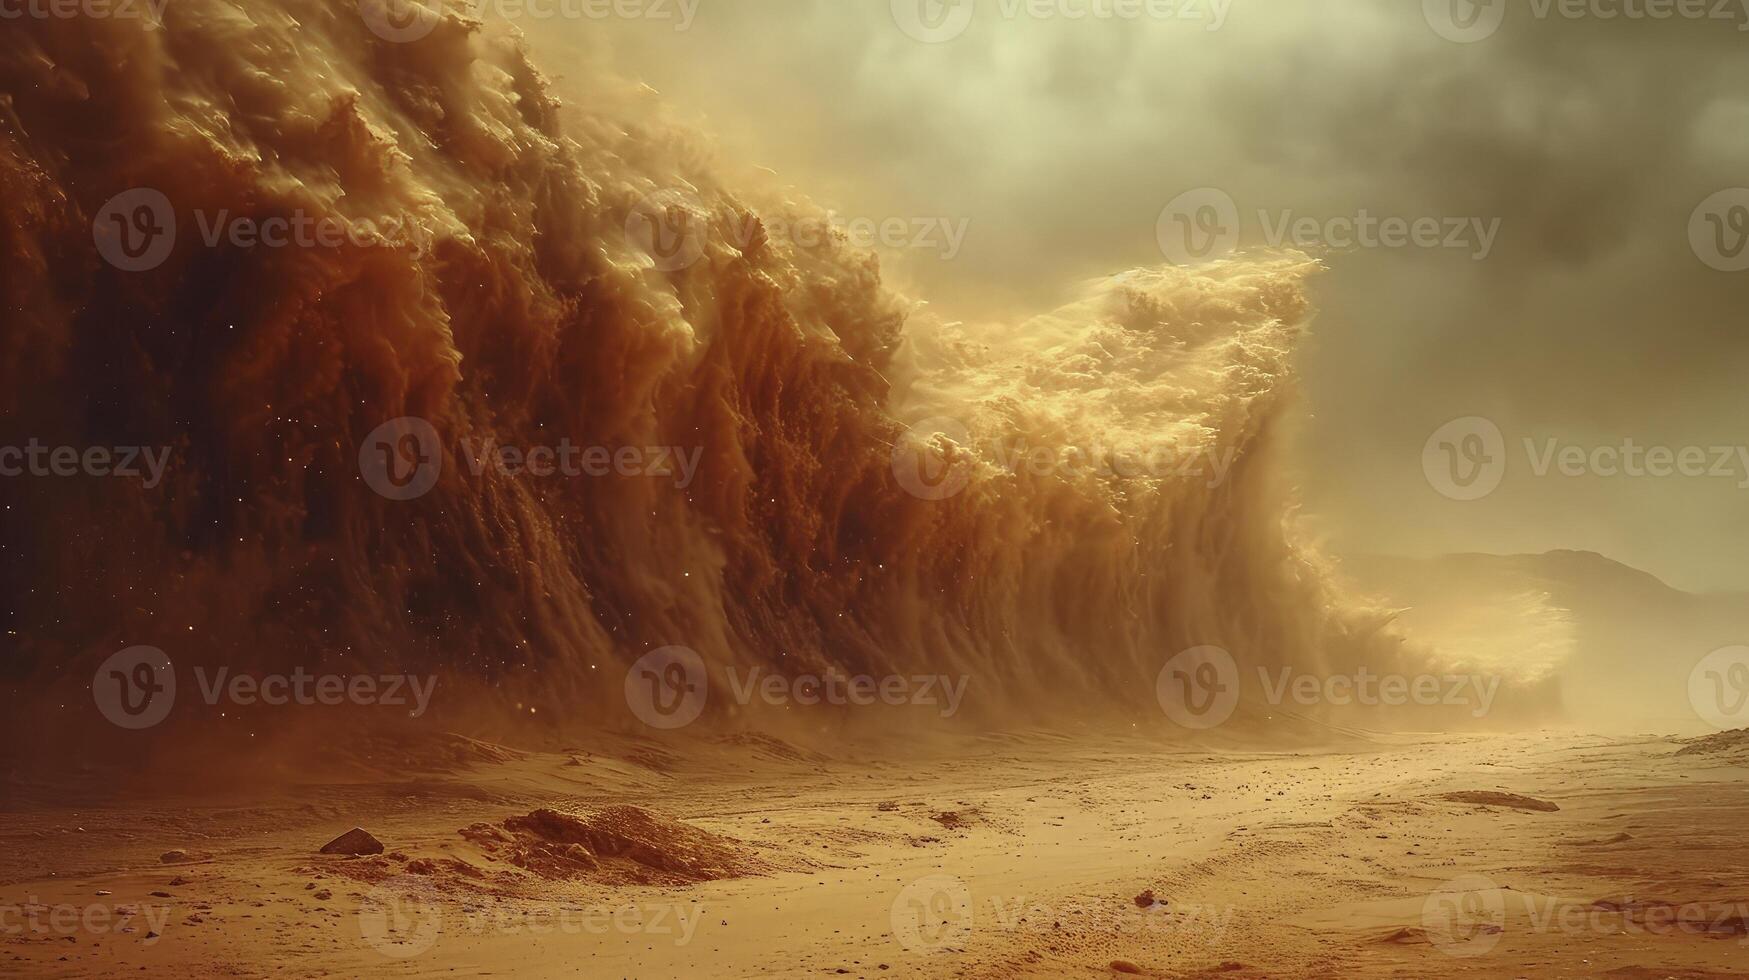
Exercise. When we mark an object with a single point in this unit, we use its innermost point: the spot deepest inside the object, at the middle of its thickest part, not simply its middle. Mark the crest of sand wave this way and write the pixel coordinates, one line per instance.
(518, 308)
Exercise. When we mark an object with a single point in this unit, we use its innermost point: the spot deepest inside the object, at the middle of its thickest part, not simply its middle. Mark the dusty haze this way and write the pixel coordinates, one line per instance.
(1592, 141)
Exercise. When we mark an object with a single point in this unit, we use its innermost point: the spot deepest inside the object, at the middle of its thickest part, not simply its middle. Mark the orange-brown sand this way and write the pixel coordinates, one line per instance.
(1027, 855)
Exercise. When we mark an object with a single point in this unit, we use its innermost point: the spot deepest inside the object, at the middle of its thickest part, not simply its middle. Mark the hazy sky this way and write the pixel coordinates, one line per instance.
(1589, 140)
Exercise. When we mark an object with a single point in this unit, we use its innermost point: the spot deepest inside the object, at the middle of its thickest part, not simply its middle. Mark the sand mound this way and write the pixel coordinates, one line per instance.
(355, 841)
(959, 819)
(1416, 935)
(616, 844)
(1483, 797)
(1604, 841)
(1735, 740)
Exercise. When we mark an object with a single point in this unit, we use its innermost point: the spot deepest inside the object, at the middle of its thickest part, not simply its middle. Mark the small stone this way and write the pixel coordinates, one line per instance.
(172, 857)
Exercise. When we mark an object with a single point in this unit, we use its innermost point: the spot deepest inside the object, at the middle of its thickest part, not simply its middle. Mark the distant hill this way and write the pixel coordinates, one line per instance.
(1621, 642)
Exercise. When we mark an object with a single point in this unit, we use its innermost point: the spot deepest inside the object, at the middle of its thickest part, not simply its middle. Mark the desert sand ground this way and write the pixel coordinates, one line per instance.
(1000, 856)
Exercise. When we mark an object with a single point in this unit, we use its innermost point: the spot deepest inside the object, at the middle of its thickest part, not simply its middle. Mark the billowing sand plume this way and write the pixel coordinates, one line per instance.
(512, 294)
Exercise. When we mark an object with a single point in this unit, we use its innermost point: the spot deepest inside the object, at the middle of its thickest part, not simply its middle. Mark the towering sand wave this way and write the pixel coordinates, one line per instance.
(510, 300)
